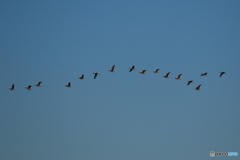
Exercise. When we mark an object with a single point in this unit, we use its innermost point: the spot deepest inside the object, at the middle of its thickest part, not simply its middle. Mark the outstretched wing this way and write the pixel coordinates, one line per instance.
(189, 82)
(95, 75)
(198, 87)
(131, 69)
(113, 67)
(221, 73)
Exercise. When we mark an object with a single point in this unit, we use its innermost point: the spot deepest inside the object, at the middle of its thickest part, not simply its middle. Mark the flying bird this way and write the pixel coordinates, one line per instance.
(204, 74)
(178, 78)
(221, 73)
(12, 89)
(39, 84)
(95, 75)
(189, 82)
(82, 77)
(198, 88)
(166, 76)
(131, 69)
(156, 71)
(29, 87)
(112, 69)
(143, 72)
(69, 85)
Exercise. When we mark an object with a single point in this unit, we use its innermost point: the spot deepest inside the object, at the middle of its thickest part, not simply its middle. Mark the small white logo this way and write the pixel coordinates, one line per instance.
(212, 153)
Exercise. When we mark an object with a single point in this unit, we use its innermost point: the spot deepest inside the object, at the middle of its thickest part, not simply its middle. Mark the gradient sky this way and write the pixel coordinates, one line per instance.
(122, 115)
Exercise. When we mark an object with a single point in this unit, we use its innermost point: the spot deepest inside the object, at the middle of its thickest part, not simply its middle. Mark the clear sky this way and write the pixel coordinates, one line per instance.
(122, 115)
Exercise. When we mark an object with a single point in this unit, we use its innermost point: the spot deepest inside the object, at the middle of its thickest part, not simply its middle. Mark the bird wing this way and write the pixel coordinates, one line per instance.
(189, 82)
(167, 73)
(143, 71)
(221, 73)
(69, 84)
(95, 75)
(113, 67)
(13, 86)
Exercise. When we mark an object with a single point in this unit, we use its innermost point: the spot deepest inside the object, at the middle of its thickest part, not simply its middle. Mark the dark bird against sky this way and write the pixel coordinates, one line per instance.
(156, 71)
(12, 89)
(112, 69)
(189, 82)
(179, 77)
(68, 85)
(166, 76)
(198, 87)
(39, 84)
(132, 69)
(29, 87)
(82, 77)
(204, 74)
(95, 75)
(221, 73)
(143, 72)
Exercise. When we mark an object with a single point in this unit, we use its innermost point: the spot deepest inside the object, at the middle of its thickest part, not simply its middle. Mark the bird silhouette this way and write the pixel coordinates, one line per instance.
(29, 87)
(95, 75)
(68, 85)
(143, 72)
(39, 84)
(12, 89)
(112, 69)
(221, 73)
(166, 76)
(156, 71)
(82, 77)
(178, 78)
(198, 87)
(131, 69)
(204, 74)
(189, 82)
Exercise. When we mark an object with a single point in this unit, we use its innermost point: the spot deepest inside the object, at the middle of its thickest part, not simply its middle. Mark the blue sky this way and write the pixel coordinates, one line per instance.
(121, 115)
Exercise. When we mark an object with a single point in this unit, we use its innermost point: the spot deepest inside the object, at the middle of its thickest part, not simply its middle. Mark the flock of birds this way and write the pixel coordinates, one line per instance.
(130, 70)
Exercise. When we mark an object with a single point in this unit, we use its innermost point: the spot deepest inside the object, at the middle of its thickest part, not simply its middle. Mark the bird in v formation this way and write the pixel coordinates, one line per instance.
(130, 70)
